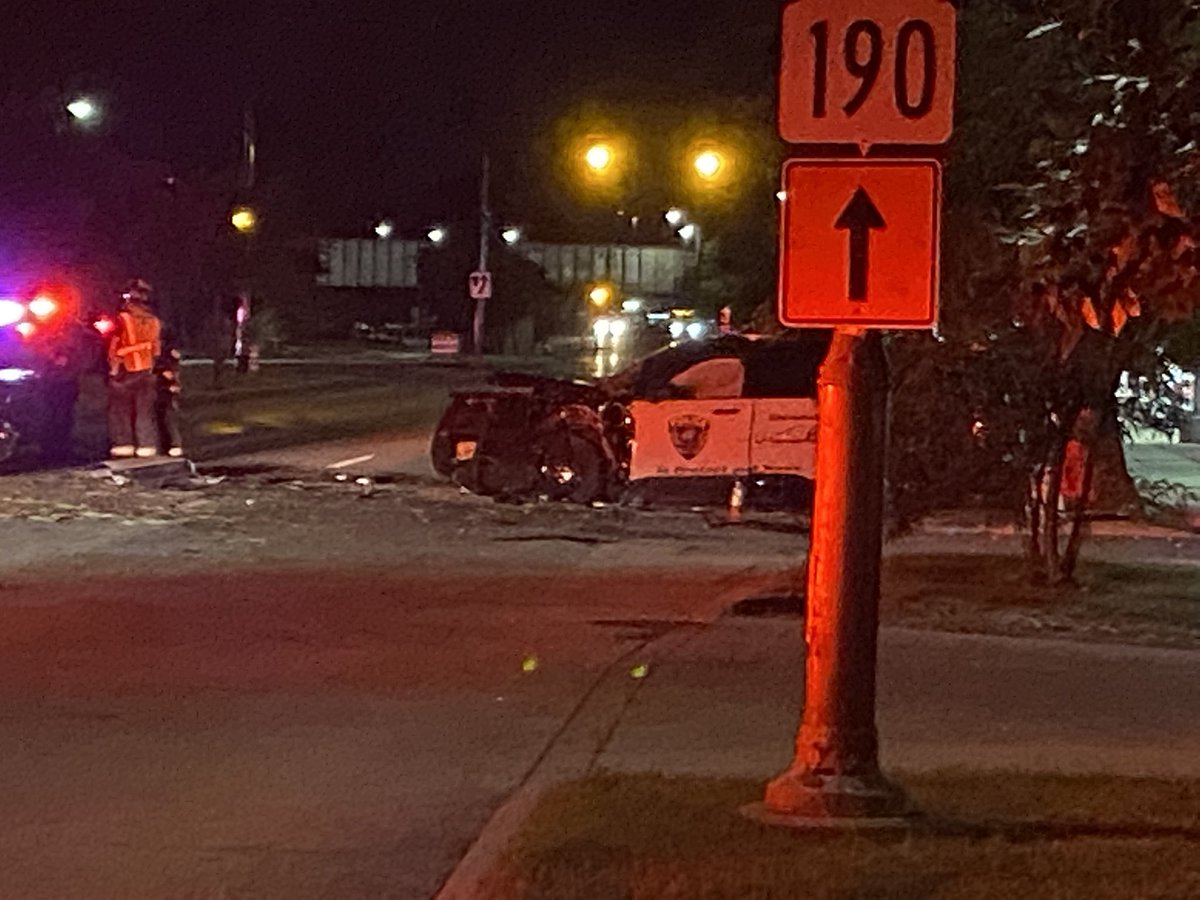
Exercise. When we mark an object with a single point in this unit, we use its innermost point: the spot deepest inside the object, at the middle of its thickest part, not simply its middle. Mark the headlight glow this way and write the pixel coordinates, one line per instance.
(13, 376)
(677, 330)
(43, 307)
(11, 312)
(696, 330)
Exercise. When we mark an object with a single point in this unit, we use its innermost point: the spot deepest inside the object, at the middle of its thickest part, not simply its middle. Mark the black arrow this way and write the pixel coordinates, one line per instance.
(860, 218)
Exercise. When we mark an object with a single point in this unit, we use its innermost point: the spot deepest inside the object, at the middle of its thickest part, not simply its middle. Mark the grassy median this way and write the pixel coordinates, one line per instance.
(983, 837)
(282, 406)
(992, 594)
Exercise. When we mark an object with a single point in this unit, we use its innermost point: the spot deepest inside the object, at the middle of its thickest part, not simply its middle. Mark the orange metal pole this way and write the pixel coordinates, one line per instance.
(835, 773)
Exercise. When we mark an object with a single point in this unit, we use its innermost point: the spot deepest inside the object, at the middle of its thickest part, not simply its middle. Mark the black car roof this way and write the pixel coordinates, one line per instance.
(775, 366)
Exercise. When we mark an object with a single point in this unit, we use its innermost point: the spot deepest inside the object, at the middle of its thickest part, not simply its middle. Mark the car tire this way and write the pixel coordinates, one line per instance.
(572, 465)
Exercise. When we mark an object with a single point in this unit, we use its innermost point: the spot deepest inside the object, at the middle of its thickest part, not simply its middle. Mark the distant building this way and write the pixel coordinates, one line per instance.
(368, 263)
(634, 270)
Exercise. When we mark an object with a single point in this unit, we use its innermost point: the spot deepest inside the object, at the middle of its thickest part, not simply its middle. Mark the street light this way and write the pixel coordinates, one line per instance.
(601, 296)
(244, 219)
(600, 157)
(675, 217)
(84, 110)
(385, 229)
(709, 164)
(511, 235)
(437, 235)
(689, 232)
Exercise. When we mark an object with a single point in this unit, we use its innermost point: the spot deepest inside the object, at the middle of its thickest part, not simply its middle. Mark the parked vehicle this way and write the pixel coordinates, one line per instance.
(686, 423)
(45, 349)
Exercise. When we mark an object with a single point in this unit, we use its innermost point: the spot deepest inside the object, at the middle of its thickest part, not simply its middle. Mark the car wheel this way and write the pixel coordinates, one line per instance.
(572, 466)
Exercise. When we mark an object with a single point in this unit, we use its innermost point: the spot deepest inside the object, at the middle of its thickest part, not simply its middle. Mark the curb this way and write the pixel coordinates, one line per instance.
(570, 754)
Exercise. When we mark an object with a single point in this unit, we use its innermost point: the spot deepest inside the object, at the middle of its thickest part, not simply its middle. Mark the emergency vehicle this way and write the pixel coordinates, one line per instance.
(47, 345)
(685, 424)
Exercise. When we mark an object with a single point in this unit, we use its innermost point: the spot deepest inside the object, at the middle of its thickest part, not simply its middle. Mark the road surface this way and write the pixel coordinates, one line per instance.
(327, 695)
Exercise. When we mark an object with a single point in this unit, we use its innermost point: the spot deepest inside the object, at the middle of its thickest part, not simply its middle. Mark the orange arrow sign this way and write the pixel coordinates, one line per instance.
(860, 243)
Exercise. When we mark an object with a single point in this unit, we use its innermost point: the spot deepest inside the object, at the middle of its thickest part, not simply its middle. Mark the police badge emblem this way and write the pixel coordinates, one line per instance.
(689, 435)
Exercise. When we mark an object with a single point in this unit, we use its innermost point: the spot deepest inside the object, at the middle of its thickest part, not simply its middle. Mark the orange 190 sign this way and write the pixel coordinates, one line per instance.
(868, 72)
(860, 243)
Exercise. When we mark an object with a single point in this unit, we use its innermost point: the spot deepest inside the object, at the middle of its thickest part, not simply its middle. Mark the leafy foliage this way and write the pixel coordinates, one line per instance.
(1071, 254)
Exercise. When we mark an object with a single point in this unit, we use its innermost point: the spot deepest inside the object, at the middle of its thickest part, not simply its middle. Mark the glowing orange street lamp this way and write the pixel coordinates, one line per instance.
(709, 164)
(601, 296)
(244, 220)
(600, 157)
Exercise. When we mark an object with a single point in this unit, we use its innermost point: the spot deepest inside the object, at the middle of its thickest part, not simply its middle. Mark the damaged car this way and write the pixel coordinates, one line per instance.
(687, 424)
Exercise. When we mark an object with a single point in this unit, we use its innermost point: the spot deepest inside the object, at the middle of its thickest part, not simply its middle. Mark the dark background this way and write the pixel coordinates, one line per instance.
(367, 109)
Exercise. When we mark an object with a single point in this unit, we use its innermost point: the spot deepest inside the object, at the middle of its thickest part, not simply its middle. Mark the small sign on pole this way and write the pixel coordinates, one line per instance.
(480, 284)
(445, 343)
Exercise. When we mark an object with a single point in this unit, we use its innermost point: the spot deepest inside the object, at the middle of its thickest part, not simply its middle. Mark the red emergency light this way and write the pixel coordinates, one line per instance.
(43, 306)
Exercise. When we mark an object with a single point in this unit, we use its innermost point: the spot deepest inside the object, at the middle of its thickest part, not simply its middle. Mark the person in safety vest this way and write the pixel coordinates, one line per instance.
(132, 388)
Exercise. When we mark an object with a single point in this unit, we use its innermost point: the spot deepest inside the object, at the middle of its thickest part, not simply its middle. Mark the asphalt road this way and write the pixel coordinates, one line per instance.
(323, 733)
(402, 454)
(323, 701)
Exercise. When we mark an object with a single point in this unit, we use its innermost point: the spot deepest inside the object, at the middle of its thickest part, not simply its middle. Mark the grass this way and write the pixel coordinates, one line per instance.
(281, 406)
(988, 836)
(973, 592)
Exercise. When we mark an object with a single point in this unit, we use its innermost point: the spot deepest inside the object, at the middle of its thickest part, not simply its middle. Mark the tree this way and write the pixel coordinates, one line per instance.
(1080, 153)
(1107, 252)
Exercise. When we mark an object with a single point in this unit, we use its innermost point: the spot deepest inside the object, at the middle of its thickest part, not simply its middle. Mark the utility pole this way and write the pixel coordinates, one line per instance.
(485, 236)
(247, 177)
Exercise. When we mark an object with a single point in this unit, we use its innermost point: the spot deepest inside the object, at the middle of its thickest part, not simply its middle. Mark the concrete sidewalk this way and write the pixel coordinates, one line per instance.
(1173, 465)
(1176, 463)
(725, 701)
(729, 700)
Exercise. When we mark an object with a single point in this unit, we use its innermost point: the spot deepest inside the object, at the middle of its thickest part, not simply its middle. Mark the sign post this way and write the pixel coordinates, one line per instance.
(859, 240)
(481, 279)
(835, 774)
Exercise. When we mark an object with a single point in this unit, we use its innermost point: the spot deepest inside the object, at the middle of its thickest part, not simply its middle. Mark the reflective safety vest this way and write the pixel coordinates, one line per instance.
(137, 343)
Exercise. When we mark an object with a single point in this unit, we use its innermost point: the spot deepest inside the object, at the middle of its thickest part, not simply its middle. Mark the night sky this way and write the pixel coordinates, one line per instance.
(369, 108)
